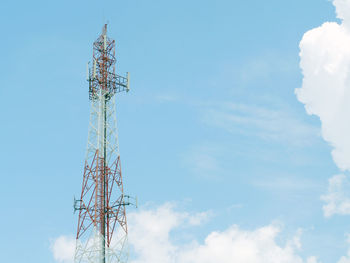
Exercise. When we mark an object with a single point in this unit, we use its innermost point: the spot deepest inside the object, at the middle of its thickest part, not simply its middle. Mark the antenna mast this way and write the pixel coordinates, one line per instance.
(102, 226)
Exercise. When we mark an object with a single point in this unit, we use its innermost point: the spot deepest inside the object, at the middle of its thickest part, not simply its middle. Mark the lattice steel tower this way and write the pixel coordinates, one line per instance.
(102, 227)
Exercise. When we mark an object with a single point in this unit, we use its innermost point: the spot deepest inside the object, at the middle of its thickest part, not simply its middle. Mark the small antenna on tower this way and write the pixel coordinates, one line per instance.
(104, 30)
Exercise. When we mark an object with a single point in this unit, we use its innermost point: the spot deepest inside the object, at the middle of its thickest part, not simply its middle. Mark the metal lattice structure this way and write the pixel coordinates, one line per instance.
(102, 226)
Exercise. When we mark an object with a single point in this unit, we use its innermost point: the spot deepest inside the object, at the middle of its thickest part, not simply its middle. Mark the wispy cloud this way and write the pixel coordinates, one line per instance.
(166, 97)
(204, 161)
(287, 183)
(273, 123)
(265, 66)
(337, 199)
(269, 124)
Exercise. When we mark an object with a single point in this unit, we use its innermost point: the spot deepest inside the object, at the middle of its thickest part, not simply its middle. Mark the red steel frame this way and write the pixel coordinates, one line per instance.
(99, 210)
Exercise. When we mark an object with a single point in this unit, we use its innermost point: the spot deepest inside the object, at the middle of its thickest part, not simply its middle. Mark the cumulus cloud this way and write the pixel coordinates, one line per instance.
(325, 63)
(63, 249)
(152, 231)
(343, 10)
(325, 91)
(152, 240)
(161, 235)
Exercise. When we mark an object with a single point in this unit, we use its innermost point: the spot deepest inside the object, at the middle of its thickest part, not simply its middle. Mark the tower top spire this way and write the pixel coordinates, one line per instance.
(104, 30)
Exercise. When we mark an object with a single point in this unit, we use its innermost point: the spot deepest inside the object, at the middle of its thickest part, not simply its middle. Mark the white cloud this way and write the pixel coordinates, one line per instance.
(343, 10)
(337, 198)
(63, 249)
(156, 237)
(237, 245)
(325, 63)
(150, 232)
(151, 237)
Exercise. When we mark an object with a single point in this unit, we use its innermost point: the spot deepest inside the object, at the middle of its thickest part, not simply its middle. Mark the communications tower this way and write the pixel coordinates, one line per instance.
(102, 226)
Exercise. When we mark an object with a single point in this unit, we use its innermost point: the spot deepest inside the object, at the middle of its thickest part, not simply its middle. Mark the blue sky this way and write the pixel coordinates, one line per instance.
(211, 123)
